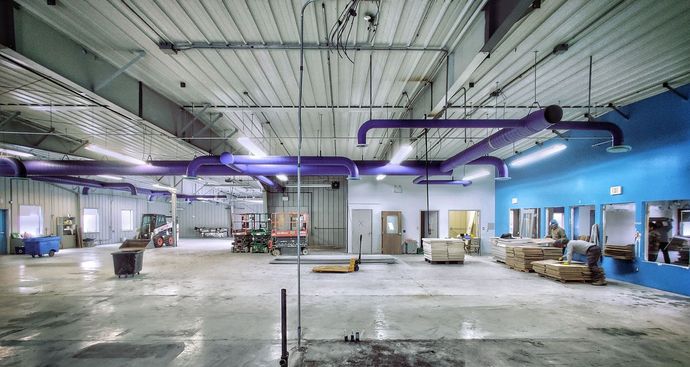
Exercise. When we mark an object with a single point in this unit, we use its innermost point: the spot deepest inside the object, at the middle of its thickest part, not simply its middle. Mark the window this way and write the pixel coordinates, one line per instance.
(90, 220)
(30, 220)
(685, 223)
(127, 220)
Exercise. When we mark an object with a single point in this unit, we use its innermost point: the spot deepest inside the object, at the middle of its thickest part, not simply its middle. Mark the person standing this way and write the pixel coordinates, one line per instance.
(555, 231)
(593, 253)
(653, 242)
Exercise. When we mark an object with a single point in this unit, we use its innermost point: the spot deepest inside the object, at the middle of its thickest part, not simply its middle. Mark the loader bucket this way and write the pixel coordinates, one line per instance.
(132, 245)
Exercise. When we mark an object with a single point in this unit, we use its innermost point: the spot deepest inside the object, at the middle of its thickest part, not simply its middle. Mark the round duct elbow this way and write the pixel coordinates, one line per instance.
(227, 159)
(505, 178)
(553, 114)
(619, 149)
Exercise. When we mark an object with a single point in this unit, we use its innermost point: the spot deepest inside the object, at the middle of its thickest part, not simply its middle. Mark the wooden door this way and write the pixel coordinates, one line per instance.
(391, 232)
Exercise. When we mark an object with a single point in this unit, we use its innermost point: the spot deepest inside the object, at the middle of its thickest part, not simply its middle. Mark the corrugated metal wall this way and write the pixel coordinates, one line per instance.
(55, 201)
(201, 214)
(58, 201)
(327, 209)
(110, 207)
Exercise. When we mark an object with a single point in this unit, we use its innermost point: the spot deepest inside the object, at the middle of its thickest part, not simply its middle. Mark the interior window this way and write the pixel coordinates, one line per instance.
(90, 220)
(30, 220)
(668, 232)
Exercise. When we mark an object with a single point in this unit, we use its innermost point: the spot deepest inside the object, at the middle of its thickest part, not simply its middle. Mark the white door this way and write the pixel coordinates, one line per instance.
(361, 225)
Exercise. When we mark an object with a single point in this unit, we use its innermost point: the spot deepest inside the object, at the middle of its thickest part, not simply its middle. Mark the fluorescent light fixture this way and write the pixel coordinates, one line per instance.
(476, 175)
(380, 177)
(251, 146)
(171, 189)
(282, 177)
(401, 154)
(538, 155)
(116, 155)
(16, 153)
(108, 177)
(250, 200)
(192, 178)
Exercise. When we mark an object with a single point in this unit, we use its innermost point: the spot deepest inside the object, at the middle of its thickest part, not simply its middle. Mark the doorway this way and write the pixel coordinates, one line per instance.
(557, 213)
(4, 250)
(514, 222)
(463, 222)
(529, 223)
(429, 224)
(391, 232)
(581, 221)
(361, 226)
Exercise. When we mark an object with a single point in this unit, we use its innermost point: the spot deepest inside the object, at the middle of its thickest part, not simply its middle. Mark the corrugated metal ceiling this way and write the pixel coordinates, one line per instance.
(635, 46)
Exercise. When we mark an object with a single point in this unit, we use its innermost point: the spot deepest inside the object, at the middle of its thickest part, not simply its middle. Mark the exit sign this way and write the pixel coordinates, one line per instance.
(616, 190)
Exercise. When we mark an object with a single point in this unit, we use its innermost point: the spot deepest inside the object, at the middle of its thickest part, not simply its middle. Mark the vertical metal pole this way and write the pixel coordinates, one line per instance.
(283, 327)
(299, 174)
(589, 91)
(173, 204)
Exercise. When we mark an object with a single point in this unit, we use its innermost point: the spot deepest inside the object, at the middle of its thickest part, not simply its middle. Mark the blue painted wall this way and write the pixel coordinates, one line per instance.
(658, 168)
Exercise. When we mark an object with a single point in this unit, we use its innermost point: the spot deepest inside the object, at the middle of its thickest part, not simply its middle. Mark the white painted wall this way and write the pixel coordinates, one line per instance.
(368, 193)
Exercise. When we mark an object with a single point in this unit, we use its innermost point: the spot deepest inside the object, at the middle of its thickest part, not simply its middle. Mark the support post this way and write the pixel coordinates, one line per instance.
(106, 81)
(283, 328)
(173, 205)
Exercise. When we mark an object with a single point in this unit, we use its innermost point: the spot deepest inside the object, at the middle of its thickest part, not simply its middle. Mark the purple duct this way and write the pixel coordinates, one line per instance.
(613, 129)
(531, 124)
(432, 124)
(229, 159)
(66, 180)
(268, 182)
(17, 167)
(208, 160)
(498, 163)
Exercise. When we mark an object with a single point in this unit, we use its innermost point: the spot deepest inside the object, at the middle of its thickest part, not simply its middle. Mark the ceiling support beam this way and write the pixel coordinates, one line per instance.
(9, 118)
(194, 118)
(175, 47)
(208, 126)
(613, 107)
(675, 91)
(85, 143)
(7, 24)
(139, 55)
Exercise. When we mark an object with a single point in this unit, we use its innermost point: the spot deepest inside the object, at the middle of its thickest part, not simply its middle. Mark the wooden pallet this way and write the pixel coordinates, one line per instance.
(523, 270)
(444, 262)
(564, 281)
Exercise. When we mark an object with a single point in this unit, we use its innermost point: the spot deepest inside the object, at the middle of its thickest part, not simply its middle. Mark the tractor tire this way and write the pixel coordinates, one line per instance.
(275, 252)
(305, 251)
(170, 241)
(158, 242)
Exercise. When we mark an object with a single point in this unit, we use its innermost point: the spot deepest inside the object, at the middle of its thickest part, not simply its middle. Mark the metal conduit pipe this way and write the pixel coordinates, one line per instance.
(616, 133)
(227, 158)
(16, 167)
(532, 123)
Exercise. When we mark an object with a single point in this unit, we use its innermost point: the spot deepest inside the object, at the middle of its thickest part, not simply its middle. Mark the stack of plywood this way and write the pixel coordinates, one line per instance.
(438, 249)
(621, 252)
(523, 256)
(573, 272)
(498, 250)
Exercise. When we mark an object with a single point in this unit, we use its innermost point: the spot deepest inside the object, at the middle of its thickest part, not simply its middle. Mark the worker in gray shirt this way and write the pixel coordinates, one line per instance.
(555, 231)
(593, 253)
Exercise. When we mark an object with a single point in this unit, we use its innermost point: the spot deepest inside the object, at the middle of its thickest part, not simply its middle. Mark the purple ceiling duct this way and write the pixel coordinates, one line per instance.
(613, 129)
(227, 158)
(78, 181)
(498, 163)
(208, 160)
(15, 165)
(268, 182)
(432, 124)
(531, 124)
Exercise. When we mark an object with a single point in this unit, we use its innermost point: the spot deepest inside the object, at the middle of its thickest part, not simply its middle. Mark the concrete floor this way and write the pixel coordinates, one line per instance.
(200, 305)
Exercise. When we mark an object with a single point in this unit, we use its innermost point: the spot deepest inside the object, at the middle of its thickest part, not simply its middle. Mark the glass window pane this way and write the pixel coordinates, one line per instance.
(392, 224)
(30, 220)
(127, 220)
(90, 220)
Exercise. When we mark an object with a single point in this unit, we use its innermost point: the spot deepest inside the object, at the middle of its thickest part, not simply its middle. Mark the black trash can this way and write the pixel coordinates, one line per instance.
(19, 250)
(127, 262)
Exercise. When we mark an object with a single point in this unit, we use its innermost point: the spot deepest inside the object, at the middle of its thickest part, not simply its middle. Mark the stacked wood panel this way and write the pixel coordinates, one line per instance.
(573, 272)
(620, 252)
(522, 257)
(443, 250)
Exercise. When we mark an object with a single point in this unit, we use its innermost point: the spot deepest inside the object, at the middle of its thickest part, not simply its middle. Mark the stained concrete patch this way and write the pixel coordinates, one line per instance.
(616, 331)
(131, 351)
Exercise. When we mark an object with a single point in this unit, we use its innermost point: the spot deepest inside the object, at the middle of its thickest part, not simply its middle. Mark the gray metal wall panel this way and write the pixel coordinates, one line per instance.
(327, 209)
(201, 214)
